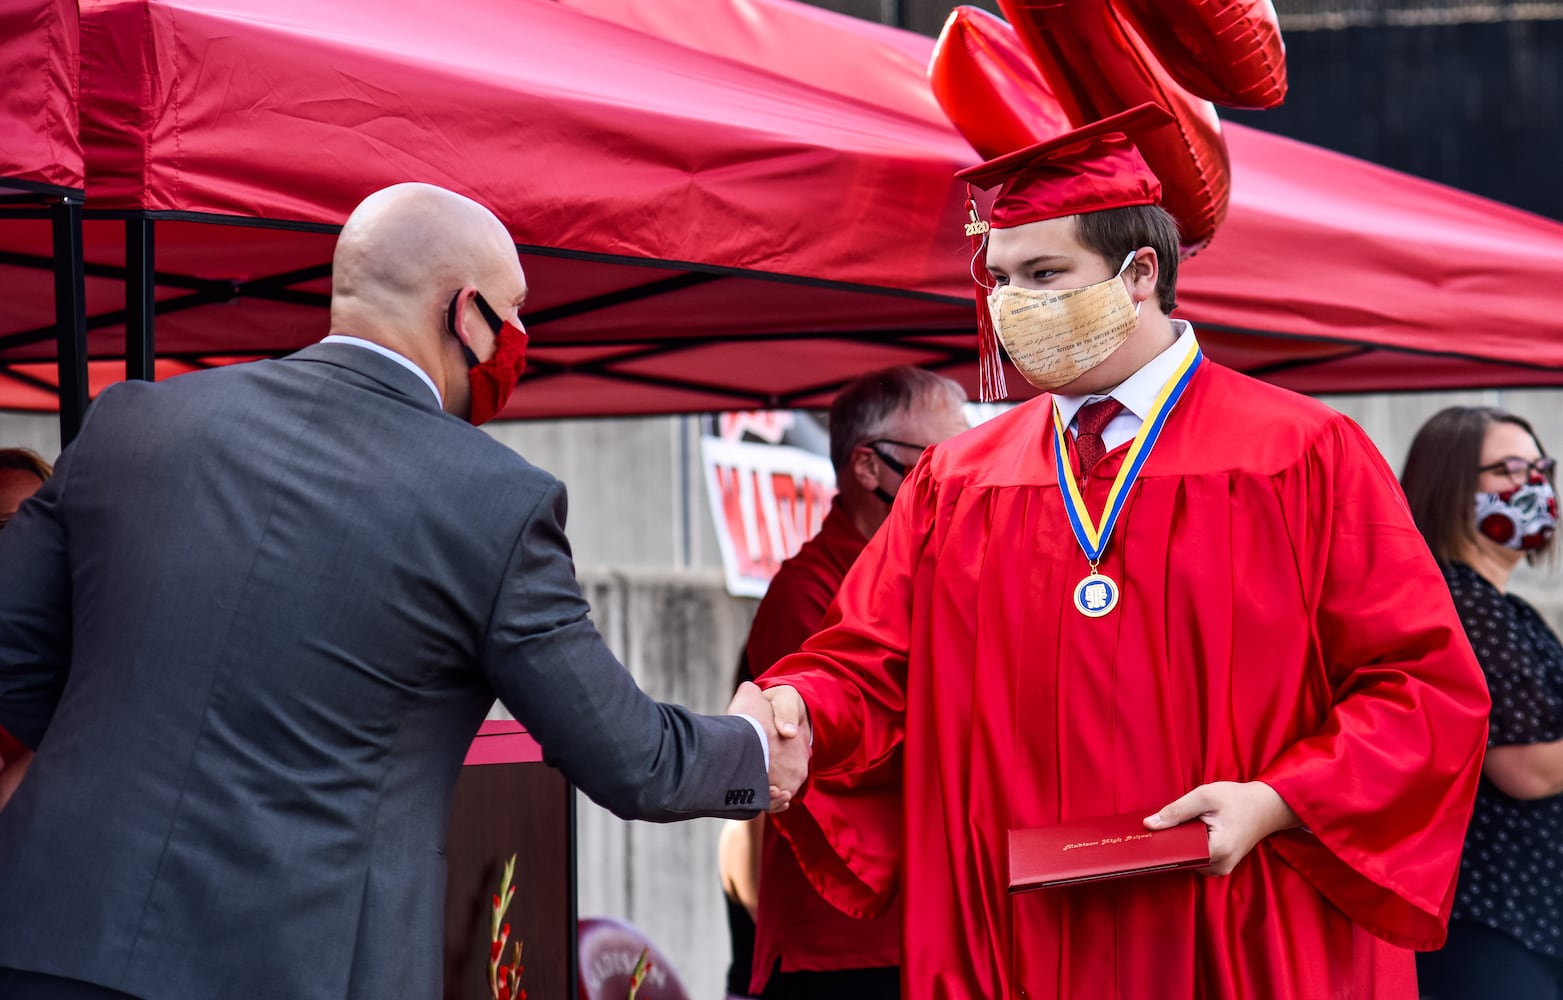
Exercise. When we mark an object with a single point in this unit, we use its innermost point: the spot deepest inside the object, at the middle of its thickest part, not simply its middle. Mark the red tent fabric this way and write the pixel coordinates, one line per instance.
(660, 196)
(1336, 275)
(40, 150)
(721, 204)
(1330, 274)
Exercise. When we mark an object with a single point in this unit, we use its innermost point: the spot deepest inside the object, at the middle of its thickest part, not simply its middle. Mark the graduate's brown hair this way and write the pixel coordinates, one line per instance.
(1114, 233)
(1441, 473)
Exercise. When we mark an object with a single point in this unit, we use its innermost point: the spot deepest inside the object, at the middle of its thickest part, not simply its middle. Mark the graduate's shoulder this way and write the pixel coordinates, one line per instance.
(1256, 425)
(1256, 402)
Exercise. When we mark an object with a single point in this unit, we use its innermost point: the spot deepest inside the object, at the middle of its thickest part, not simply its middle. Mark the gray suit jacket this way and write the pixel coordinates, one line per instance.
(251, 626)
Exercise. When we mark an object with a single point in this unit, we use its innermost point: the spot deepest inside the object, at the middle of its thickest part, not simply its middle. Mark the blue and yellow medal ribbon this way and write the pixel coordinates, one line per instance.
(1093, 536)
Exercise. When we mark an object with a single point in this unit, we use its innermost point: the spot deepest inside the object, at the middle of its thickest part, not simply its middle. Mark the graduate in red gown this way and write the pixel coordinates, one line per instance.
(880, 425)
(1160, 587)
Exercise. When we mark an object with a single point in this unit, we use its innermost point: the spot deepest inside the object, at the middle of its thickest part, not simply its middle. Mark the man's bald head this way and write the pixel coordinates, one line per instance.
(417, 241)
(405, 254)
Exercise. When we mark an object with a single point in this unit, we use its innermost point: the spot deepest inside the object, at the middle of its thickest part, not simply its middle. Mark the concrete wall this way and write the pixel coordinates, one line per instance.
(637, 498)
(679, 635)
(38, 431)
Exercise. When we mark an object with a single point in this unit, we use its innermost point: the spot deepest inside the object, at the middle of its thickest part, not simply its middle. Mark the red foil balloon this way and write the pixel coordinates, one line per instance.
(985, 82)
(1086, 63)
(1227, 51)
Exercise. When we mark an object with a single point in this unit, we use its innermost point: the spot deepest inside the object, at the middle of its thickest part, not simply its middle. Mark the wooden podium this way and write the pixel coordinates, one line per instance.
(508, 802)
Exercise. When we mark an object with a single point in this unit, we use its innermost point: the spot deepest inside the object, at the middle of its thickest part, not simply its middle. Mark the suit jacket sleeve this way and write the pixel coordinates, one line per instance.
(550, 667)
(35, 612)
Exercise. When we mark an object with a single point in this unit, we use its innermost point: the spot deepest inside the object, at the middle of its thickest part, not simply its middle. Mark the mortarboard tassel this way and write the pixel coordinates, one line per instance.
(990, 362)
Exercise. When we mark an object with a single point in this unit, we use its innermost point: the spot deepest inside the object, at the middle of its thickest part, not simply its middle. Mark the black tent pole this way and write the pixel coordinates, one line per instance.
(70, 315)
(140, 300)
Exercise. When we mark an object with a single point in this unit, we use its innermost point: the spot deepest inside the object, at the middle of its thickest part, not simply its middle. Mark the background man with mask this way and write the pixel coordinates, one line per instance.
(254, 620)
(1162, 589)
(880, 425)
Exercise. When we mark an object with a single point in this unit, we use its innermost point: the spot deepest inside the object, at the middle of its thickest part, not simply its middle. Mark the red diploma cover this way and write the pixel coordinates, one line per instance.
(1102, 847)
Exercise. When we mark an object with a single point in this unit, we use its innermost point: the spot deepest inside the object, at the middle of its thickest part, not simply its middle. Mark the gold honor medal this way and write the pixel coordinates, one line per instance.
(1098, 594)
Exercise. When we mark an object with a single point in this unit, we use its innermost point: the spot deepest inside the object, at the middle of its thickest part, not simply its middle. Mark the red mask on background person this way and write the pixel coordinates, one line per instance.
(491, 382)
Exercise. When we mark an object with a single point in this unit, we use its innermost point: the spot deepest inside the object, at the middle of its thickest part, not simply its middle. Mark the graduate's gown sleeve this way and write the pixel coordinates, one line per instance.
(1384, 787)
(846, 832)
(852, 676)
(852, 673)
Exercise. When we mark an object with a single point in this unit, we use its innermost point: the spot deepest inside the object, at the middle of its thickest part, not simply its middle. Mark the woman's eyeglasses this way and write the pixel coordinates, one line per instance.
(1518, 468)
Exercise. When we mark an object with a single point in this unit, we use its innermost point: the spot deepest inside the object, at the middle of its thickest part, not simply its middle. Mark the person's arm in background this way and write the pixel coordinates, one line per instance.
(1525, 738)
(738, 859)
(1530, 771)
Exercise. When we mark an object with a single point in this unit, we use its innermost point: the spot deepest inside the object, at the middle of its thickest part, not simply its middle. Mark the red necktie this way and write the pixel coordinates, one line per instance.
(1092, 419)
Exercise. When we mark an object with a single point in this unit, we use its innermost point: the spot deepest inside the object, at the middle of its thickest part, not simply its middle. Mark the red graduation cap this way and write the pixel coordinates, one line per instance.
(1095, 167)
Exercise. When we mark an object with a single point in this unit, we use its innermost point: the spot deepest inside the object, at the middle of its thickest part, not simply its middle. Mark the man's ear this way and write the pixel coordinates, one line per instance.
(456, 314)
(864, 468)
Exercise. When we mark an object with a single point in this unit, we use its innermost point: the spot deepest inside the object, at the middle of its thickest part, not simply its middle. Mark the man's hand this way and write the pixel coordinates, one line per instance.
(789, 741)
(1239, 814)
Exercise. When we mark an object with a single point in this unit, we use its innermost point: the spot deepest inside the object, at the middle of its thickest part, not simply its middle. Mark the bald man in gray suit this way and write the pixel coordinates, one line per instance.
(256, 617)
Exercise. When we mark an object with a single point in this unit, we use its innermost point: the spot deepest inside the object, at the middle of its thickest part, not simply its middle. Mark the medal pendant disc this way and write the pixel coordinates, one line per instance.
(1096, 595)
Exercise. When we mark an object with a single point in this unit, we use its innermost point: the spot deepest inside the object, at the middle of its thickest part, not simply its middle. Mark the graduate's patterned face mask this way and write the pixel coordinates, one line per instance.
(1521, 518)
(1054, 336)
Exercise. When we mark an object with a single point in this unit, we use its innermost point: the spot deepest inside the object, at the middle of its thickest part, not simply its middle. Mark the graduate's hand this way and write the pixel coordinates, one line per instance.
(792, 722)
(789, 764)
(1239, 814)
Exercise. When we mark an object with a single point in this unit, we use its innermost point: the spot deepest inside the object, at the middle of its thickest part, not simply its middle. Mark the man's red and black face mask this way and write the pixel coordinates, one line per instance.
(491, 381)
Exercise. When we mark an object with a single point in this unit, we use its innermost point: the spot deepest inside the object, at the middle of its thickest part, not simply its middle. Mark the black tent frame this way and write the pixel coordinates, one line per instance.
(64, 208)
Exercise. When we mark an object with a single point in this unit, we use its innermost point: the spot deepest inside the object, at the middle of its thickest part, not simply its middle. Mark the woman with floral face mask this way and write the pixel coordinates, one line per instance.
(1481, 490)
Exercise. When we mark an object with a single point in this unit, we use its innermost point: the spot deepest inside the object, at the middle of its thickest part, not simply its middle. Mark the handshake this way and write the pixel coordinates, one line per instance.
(785, 719)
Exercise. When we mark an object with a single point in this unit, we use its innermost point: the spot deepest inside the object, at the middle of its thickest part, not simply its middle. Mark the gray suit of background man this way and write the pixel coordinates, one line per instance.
(252, 624)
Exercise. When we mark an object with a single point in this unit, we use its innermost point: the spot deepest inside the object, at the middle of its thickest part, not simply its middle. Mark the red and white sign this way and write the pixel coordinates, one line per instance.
(766, 501)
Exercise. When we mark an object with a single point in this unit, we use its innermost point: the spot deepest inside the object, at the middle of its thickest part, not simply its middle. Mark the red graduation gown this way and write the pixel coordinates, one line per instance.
(1280, 619)
(795, 923)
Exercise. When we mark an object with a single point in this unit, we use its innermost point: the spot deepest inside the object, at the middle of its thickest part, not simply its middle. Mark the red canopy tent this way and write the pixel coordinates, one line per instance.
(1330, 274)
(40, 152)
(41, 172)
(1335, 275)
(661, 198)
(721, 205)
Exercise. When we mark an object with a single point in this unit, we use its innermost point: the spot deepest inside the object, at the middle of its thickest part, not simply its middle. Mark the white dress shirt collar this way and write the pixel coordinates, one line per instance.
(401, 359)
(1138, 392)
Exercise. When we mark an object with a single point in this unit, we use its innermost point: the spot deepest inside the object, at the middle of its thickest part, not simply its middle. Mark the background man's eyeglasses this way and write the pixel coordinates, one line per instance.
(894, 465)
